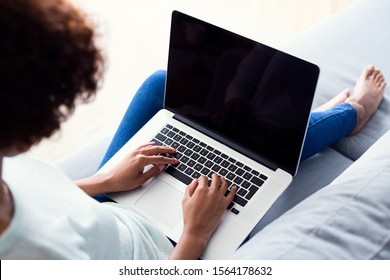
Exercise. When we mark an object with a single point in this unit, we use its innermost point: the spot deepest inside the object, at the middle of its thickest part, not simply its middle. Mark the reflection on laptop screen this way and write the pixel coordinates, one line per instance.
(256, 97)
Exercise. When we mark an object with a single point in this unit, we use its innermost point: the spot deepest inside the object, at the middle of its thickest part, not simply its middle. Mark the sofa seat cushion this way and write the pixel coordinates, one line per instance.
(313, 174)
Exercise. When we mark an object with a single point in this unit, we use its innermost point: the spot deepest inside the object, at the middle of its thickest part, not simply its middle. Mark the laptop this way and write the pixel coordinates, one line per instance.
(235, 107)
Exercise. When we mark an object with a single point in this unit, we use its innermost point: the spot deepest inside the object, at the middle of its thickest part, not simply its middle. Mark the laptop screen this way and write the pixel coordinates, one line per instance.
(252, 97)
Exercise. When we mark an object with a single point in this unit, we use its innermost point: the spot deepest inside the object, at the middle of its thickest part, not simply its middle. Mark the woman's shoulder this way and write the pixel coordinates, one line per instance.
(51, 214)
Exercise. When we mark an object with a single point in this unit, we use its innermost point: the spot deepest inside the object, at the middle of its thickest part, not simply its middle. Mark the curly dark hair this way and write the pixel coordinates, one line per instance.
(49, 61)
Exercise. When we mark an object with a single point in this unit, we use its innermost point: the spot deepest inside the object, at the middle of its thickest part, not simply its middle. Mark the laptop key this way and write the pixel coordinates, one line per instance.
(195, 156)
(204, 152)
(181, 149)
(247, 176)
(238, 180)
(160, 137)
(245, 184)
(197, 148)
(177, 155)
(181, 167)
(164, 130)
(157, 143)
(191, 163)
(258, 182)
(210, 148)
(218, 160)
(198, 167)
(247, 168)
(196, 175)
(262, 176)
(175, 145)
(168, 142)
(242, 192)
(190, 145)
(205, 171)
(184, 159)
(225, 156)
(230, 176)
(252, 191)
(239, 171)
(210, 156)
(178, 175)
(223, 172)
(240, 201)
(232, 168)
(209, 164)
(189, 171)
(216, 168)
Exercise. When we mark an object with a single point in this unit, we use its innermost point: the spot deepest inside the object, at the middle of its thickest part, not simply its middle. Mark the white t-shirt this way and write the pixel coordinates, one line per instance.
(55, 219)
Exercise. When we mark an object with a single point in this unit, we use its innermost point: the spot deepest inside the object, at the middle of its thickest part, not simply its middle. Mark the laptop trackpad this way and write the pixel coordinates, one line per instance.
(162, 202)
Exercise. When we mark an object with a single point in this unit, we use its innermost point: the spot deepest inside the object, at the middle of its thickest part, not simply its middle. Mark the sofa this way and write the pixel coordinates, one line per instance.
(338, 205)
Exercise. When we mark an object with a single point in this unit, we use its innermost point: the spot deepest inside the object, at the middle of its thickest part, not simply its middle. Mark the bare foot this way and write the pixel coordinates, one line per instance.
(338, 99)
(367, 95)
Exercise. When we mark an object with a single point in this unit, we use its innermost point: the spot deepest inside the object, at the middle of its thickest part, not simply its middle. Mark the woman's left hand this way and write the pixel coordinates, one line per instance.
(130, 173)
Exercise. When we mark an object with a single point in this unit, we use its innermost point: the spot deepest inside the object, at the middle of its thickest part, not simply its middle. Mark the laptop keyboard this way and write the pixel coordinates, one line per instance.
(197, 159)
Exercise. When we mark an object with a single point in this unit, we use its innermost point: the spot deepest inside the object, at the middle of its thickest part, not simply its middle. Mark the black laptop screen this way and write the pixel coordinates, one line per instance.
(255, 97)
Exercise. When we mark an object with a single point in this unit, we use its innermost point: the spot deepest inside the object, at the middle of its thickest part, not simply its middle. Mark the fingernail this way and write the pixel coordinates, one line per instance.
(161, 167)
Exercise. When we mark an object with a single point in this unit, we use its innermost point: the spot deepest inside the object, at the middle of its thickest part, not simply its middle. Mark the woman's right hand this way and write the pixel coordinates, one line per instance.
(203, 207)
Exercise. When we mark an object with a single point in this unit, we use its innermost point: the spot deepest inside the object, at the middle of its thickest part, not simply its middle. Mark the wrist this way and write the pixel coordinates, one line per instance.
(189, 247)
(96, 184)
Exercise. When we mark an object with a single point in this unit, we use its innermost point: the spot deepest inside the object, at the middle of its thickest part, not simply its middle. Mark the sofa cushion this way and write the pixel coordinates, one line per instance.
(84, 162)
(313, 174)
(342, 47)
(349, 219)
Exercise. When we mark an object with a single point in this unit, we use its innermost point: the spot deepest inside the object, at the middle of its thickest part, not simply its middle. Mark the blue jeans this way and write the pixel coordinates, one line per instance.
(324, 129)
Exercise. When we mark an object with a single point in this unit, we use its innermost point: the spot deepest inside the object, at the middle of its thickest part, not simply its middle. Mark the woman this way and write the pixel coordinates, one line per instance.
(50, 63)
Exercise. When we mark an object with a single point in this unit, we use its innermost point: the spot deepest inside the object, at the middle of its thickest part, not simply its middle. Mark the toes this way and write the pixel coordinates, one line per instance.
(374, 75)
(380, 80)
(368, 71)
